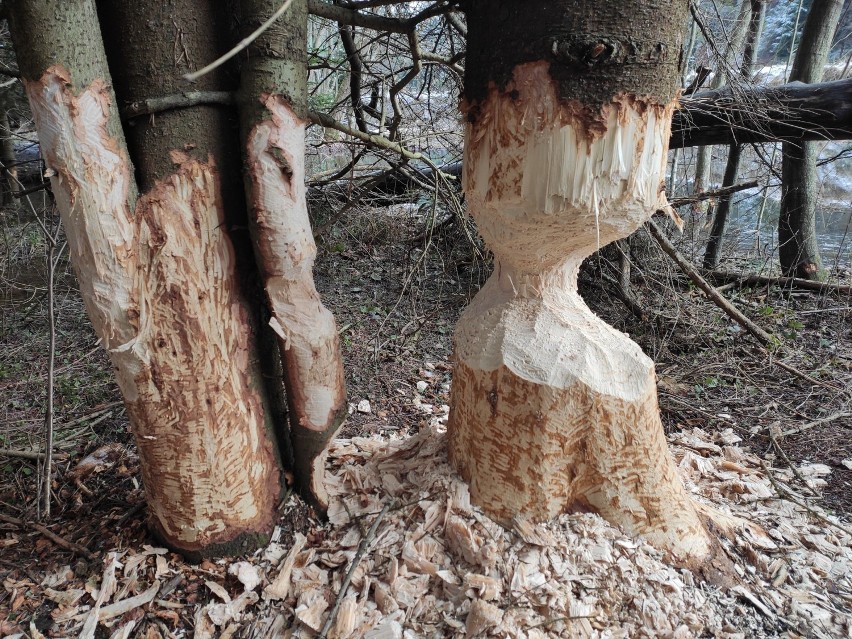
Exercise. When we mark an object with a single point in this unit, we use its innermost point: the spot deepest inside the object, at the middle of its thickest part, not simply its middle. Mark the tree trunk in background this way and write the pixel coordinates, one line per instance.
(704, 159)
(797, 241)
(732, 168)
(160, 275)
(272, 102)
(568, 110)
(8, 169)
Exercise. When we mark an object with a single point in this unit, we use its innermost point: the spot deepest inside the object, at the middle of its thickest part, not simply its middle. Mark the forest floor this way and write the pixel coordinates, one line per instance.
(750, 437)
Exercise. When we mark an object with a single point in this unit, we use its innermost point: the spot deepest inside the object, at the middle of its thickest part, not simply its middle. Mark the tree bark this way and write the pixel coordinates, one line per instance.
(552, 410)
(797, 242)
(794, 113)
(8, 169)
(732, 166)
(273, 97)
(704, 160)
(159, 274)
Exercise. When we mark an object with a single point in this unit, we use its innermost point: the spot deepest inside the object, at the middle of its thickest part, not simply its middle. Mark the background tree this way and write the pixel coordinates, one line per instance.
(797, 241)
(732, 166)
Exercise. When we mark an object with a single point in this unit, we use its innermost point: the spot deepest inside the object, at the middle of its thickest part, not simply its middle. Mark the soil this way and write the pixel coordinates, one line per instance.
(396, 296)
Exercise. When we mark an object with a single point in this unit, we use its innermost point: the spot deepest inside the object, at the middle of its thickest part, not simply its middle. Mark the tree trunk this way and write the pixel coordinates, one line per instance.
(273, 98)
(160, 275)
(732, 167)
(8, 169)
(568, 111)
(704, 159)
(798, 249)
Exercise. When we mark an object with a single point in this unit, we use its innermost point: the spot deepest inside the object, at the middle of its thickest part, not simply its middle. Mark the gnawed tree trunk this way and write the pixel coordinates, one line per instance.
(159, 275)
(797, 241)
(552, 410)
(272, 103)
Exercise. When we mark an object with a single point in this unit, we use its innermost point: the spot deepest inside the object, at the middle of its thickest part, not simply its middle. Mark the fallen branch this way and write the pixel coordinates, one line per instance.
(59, 541)
(31, 190)
(35, 455)
(768, 341)
(791, 465)
(815, 423)
(323, 119)
(793, 112)
(716, 193)
(784, 282)
(692, 272)
(359, 554)
(783, 493)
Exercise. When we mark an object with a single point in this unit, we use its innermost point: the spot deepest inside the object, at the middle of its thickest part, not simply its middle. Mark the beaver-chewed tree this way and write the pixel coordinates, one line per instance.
(568, 111)
(156, 217)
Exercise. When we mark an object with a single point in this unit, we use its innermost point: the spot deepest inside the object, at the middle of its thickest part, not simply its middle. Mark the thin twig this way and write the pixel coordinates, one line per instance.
(790, 464)
(31, 190)
(323, 119)
(814, 424)
(242, 44)
(716, 193)
(59, 541)
(783, 493)
(51, 364)
(26, 454)
(730, 310)
(182, 100)
(784, 282)
(359, 554)
(771, 343)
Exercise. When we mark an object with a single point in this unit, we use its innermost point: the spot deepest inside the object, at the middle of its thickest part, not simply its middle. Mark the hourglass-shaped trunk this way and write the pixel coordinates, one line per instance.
(552, 409)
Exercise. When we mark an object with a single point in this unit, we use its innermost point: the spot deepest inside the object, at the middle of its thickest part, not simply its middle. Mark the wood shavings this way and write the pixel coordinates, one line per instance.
(482, 617)
(247, 574)
(437, 567)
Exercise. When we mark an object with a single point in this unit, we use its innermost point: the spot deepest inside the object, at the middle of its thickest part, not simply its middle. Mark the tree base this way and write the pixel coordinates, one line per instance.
(554, 411)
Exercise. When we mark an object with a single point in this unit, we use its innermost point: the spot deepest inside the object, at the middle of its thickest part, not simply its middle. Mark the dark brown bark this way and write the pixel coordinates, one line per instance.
(595, 51)
(793, 112)
(8, 169)
(798, 249)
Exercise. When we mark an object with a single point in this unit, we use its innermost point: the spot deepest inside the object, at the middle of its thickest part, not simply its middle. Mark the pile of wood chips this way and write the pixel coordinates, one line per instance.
(417, 560)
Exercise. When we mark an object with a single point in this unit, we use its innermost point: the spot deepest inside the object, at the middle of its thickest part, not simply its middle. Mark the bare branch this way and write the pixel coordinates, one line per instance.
(323, 119)
(182, 100)
(372, 21)
(242, 44)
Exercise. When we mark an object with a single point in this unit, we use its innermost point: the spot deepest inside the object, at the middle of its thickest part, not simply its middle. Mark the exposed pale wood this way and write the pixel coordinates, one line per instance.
(286, 250)
(552, 410)
(167, 325)
(216, 474)
(273, 94)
